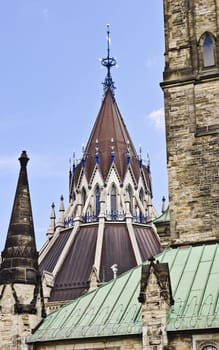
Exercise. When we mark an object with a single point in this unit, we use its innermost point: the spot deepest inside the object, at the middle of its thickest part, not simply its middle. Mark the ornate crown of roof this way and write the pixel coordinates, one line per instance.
(109, 143)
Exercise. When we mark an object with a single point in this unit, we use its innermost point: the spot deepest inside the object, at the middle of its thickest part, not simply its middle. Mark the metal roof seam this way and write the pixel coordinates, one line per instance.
(118, 297)
(208, 276)
(133, 294)
(131, 297)
(217, 299)
(184, 308)
(78, 301)
(183, 270)
(93, 318)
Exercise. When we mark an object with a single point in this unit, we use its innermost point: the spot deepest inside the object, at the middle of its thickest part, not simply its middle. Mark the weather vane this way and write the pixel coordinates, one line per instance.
(108, 62)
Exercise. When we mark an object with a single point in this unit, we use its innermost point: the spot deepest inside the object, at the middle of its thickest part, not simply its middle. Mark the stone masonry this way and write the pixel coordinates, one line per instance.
(191, 93)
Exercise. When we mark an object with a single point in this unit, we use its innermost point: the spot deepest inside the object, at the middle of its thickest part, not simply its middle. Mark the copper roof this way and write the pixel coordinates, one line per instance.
(51, 258)
(109, 134)
(72, 279)
(113, 309)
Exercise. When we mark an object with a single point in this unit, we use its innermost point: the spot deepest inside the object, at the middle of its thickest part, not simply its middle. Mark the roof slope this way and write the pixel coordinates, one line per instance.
(110, 131)
(113, 309)
(110, 143)
(72, 279)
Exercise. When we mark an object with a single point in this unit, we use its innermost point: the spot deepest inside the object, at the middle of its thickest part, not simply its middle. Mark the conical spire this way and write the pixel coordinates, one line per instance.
(52, 225)
(19, 257)
(113, 137)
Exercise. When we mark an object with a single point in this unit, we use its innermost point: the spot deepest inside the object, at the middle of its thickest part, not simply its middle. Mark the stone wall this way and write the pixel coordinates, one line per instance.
(188, 341)
(191, 94)
(120, 343)
(14, 326)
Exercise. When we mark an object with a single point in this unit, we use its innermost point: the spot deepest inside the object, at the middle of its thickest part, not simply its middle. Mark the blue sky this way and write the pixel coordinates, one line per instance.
(51, 91)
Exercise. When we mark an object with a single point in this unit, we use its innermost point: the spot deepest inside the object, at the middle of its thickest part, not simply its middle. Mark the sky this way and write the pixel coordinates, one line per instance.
(51, 91)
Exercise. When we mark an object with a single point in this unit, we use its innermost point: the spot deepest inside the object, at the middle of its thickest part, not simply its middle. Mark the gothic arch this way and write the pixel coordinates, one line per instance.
(207, 50)
(141, 195)
(83, 196)
(113, 198)
(130, 192)
(97, 200)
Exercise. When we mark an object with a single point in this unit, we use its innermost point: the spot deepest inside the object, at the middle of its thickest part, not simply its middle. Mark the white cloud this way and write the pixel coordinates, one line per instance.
(157, 118)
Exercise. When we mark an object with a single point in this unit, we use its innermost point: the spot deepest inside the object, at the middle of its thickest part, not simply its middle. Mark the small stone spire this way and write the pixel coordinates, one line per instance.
(52, 225)
(140, 157)
(108, 62)
(163, 208)
(19, 257)
(61, 211)
(148, 163)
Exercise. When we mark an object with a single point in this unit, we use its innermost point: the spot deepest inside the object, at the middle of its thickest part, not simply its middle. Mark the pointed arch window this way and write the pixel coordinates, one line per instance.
(113, 199)
(208, 51)
(141, 195)
(83, 196)
(97, 197)
(130, 192)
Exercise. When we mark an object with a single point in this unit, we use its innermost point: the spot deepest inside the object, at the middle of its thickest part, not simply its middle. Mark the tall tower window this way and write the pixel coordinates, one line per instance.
(83, 196)
(113, 199)
(97, 196)
(141, 195)
(208, 51)
(130, 192)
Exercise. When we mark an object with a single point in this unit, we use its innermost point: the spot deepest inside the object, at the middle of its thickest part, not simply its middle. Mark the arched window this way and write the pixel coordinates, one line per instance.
(83, 196)
(113, 199)
(97, 196)
(208, 51)
(130, 192)
(209, 347)
(141, 195)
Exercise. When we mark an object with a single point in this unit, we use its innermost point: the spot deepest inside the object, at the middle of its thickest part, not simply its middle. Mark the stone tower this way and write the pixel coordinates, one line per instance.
(191, 92)
(21, 299)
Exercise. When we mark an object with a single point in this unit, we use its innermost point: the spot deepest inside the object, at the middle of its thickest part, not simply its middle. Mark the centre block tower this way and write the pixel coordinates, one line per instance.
(191, 93)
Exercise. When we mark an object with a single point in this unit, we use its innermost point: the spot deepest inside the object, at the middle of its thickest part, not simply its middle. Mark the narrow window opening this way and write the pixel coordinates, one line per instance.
(130, 192)
(141, 195)
(208, 51)
(113, 199)
(97, 195)
(84, 196)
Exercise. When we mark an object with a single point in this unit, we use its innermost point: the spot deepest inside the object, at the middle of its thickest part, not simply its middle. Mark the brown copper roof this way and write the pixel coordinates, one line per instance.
(109, 126)
(116, 250)
(72, 279)
(51, 258)
(147, 241)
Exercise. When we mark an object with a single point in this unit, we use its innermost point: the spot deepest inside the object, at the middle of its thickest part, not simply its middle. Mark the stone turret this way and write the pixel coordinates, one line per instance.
(21, 298)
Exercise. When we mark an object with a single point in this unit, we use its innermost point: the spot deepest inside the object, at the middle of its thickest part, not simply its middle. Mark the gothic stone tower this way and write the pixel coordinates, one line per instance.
(191, 91)
(21, 299)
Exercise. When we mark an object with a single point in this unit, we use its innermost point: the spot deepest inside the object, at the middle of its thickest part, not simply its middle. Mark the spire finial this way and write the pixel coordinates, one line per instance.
(23, 159)
(108, 62)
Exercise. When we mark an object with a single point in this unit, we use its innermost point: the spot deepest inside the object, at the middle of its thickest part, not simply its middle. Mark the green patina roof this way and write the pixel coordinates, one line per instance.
(164, 217)
(113, 309)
